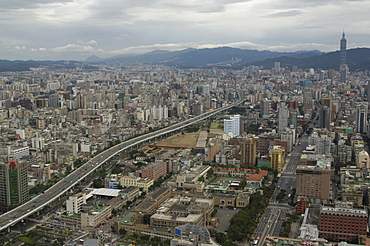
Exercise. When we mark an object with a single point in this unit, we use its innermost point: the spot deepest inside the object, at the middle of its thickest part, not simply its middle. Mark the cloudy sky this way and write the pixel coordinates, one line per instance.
(76, 29)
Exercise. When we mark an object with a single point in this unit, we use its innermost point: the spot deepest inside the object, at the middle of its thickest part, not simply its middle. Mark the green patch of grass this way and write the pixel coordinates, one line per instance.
(27, 239)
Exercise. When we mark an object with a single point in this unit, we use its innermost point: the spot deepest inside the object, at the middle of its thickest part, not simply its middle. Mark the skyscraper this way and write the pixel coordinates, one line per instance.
(324, 117)
(265, 106)
(343, 47)
(277, 68)
(283, 116)
(361, 118)
(13, 183)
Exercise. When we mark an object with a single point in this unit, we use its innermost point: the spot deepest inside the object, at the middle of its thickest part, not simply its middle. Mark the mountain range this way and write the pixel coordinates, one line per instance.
(226, 57)
(222, 56)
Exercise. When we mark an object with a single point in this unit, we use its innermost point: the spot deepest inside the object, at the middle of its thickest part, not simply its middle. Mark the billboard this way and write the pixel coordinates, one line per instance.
(178, 231)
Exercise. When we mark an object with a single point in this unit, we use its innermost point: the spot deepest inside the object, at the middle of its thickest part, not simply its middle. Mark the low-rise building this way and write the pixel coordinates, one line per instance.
(142, 183)
(131, 192)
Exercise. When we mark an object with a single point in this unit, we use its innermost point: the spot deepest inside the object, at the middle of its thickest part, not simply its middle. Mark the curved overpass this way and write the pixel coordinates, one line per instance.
(23, 211)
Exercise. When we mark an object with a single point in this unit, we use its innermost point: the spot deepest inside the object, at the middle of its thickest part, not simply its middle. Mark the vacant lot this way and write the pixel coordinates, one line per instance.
(188, 141)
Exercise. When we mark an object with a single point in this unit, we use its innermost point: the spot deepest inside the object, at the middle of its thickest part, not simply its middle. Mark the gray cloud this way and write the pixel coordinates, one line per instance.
(24, 4)
(288, 13)
(75, 29)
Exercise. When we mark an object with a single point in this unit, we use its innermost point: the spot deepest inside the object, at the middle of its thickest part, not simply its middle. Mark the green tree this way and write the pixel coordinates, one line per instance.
(117, 169)
(98, 183)
(122, 231)
(146, 219)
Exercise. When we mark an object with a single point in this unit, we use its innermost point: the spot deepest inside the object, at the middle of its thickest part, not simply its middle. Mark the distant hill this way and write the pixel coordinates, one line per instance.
(222, 56)
(93, 58)
(357, 59)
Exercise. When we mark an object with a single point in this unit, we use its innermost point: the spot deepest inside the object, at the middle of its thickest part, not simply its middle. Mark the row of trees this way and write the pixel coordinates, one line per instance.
(244, 223)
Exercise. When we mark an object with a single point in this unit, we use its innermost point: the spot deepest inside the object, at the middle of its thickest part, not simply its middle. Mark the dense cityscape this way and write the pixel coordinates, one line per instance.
(139, 154)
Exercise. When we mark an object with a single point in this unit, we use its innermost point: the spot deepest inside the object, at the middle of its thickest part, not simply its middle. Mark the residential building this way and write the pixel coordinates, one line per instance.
(248, 149)
(232, 126)
(14, 183)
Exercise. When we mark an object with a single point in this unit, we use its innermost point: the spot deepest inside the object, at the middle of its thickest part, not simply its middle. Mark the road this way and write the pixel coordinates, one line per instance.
(275, 214)
(64, 185)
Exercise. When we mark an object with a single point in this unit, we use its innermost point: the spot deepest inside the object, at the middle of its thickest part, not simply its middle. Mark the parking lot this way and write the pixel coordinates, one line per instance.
(224, 215)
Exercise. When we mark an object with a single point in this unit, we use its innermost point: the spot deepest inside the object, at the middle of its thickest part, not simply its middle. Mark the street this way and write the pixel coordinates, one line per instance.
(275, 214)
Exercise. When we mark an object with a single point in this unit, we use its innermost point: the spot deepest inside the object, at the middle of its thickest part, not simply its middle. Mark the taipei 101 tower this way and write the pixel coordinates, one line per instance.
(343, 47)
(343, 59)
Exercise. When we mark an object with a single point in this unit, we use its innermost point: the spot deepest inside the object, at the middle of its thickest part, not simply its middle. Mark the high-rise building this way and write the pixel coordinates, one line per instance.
(361, 118)
(277, 158)
(322, 143)
(313, 177)
(327, 101)
(248, 149)
(293, 115)
(277, 68)
(343, 51)
(283, 116)
(232, 126)
(13, 183)
(54, 100)
(265, 106)
(324, 117)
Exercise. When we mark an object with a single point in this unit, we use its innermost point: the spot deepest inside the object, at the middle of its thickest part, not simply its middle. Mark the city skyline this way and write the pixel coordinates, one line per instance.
(74, 30)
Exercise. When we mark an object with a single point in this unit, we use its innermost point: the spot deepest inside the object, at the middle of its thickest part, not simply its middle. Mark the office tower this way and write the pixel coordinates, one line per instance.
(277, 68)
(327, 101)
(277, 157)
(293, 115)
(283, 116)
(313, 177)
(14, 183)
(232, 126)
(265, 106)
(248, 149)
(343, 51)
(361, 118)
(324, 117)
(342, 221)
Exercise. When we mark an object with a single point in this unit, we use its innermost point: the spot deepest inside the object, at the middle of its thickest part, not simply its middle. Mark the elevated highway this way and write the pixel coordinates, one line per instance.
(21, 212)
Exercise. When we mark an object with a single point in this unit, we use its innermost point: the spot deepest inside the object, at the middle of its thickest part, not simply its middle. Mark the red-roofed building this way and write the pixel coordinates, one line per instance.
(257, 178)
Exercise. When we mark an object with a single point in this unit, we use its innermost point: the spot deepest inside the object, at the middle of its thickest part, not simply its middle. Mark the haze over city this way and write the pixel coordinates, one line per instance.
(74, 30)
